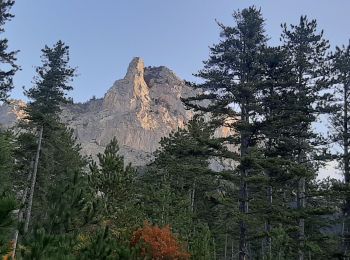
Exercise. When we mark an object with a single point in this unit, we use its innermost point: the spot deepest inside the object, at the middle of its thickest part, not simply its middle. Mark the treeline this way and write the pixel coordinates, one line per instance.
(263, 202)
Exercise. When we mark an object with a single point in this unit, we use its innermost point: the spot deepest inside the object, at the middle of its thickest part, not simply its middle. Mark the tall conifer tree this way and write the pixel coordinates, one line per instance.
(48, 93)
(8, 58)
(306, 49)
(340, 122)
(232, 74)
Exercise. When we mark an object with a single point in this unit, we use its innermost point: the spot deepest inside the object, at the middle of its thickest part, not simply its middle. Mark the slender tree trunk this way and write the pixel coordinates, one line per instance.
(268, 225)
(232, 249)
(346, 170)
(32, 187)
(225, 252)
(20, 212)
(193, 193)
(214, 249)
(243, 191)
(243, 227)
(301, 205)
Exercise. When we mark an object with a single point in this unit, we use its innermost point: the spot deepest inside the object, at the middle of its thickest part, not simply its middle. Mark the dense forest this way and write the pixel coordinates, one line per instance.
(267, 203)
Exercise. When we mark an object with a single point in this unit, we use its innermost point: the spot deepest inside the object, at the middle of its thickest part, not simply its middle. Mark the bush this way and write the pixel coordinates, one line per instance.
(158, 243)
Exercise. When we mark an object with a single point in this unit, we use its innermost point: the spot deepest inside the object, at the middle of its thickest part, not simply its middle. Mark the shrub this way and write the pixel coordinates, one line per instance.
(158, 243)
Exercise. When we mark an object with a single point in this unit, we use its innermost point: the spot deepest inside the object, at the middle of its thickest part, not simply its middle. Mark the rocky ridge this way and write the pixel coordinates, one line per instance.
(138, 110)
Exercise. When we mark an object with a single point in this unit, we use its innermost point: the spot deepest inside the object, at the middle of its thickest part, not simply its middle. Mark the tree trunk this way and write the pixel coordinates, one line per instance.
(268, 225)
(243, 190)
(346, 170)
(301, 205)
(193, 193)
(32, 187)
(225, 252)
(242, 225)
(20, 212)
(232, 249)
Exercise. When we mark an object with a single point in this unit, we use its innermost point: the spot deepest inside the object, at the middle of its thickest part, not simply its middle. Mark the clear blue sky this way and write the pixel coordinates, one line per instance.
(104, 35)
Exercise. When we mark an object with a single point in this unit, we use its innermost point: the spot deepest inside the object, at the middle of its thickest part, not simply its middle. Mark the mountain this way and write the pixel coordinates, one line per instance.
(138, 110)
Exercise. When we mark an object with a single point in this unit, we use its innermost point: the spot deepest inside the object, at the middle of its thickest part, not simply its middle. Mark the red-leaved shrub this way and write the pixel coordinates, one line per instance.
(158, 243)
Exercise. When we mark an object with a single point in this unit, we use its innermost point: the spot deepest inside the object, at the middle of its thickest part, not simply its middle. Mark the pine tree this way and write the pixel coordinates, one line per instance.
(8, 58)
(8, 202)
(64, 207)
(47, 95)
(306, 49)
(114, 183)
(340, 121)
(8, 70)
(231, 76)
(179, 188)
(274, 92)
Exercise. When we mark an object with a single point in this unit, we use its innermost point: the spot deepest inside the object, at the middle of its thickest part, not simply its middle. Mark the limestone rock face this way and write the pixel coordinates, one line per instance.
(138, 110)
(11, 112)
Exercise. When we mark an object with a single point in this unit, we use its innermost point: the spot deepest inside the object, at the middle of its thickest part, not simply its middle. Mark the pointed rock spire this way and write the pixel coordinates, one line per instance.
(136, 68)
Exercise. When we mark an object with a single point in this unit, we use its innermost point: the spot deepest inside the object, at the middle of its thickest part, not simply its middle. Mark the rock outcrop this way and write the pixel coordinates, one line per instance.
(138, 110)
(11, 112)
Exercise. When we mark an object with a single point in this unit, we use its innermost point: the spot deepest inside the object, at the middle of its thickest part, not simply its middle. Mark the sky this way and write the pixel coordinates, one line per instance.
(105, 35)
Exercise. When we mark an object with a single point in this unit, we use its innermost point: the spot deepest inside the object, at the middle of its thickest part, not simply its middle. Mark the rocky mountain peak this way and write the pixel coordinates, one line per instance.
(139, 110)
(136, 68)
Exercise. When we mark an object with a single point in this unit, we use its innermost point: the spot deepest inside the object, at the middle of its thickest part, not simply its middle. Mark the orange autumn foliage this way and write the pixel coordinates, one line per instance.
(159, 243)
(8, 256)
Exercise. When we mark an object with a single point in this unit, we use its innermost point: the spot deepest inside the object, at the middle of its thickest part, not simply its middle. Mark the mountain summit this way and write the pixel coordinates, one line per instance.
(138, 110)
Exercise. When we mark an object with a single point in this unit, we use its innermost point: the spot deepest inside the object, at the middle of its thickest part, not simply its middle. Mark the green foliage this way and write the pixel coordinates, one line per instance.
(44, 246)
(8, 201)
(7, 206)
(60, 179)
(113, 183)
(202, 246)
(8, 58)
(6, 160)
(178, 185)
(51, 85)
(262, 200)
(103, 246)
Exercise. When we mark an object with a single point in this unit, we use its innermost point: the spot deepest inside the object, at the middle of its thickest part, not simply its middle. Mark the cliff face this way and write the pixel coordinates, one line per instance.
(10, 113)
(138, 110)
